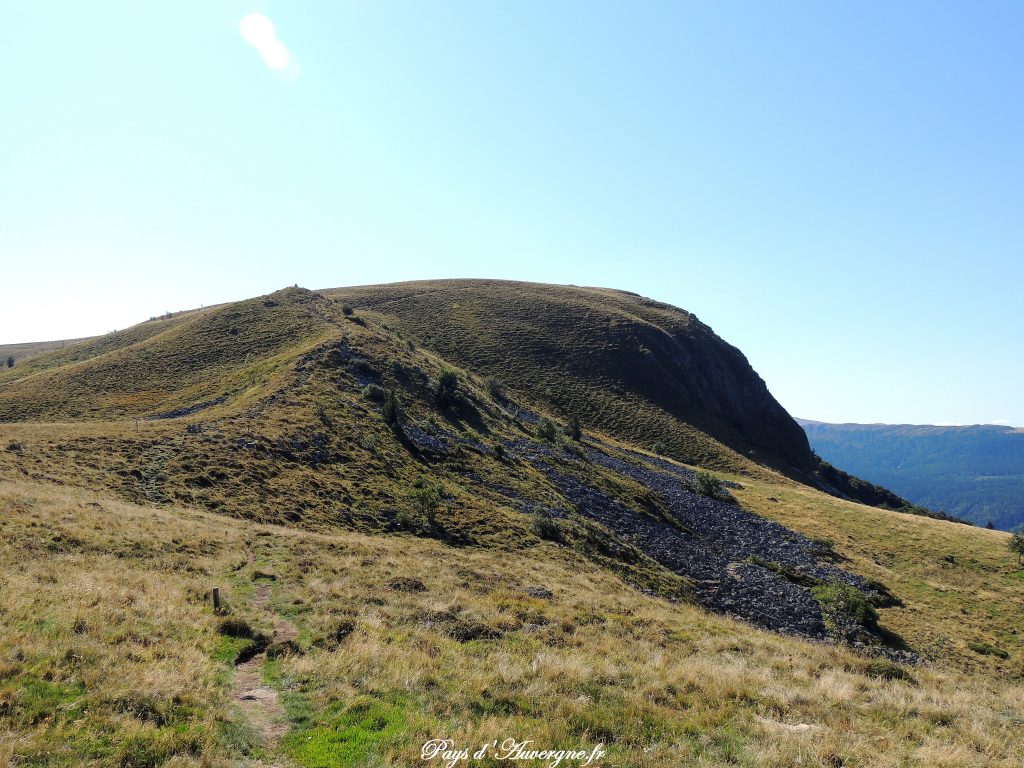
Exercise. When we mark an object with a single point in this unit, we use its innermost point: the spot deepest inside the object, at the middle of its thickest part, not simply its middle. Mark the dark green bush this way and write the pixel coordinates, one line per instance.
(546, 430)
(843, 604)
(392, 410)
(573, 429)
(886, 670)
(425, 499)
(708, 485)
(546, 527)
(321, 413)
(986, 649)
(1016, 543)
(375, 392)
(446, 393)
(495, 388)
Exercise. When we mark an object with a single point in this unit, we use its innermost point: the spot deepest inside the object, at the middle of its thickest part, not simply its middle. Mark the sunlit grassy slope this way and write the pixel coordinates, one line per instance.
(959, 586)
(110, 654)
(115, 451)
(162, 363)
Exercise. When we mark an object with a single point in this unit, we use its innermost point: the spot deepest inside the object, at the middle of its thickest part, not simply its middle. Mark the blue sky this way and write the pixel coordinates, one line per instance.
(836, 188)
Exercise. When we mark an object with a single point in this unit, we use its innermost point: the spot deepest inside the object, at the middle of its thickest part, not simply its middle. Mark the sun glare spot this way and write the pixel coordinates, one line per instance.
(276, 55)
(258, 31)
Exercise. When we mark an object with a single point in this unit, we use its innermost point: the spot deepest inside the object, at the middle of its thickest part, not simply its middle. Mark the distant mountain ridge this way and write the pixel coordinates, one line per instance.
(975, 472)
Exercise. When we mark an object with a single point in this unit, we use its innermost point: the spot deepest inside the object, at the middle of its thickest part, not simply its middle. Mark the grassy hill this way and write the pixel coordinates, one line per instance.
(973, 472)
(647, 371)
(413, 542)
(20, 352)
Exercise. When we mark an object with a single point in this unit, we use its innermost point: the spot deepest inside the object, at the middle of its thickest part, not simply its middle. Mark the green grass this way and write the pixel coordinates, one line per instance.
(345, 734)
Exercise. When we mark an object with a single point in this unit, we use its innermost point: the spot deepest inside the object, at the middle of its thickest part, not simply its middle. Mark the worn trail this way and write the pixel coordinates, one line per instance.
(261, 702)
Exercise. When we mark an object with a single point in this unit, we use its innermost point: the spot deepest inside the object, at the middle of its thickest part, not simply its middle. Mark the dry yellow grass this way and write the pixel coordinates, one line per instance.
(110, 655)
(959, 584)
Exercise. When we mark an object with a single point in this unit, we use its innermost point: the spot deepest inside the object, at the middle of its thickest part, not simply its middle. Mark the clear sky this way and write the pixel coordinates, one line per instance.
(836, 188)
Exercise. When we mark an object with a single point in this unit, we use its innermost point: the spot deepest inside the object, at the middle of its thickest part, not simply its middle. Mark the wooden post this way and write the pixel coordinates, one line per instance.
(216, 599)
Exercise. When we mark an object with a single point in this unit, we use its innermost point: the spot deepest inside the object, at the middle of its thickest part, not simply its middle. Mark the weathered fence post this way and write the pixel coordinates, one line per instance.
(216, 599)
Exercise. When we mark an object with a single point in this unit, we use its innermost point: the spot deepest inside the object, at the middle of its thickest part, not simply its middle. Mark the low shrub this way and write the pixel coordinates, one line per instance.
(446, 391)
(986, 649)
(884, 669)
(706, 484)
(546, 430)
(546, 527)
(375, 392)
(844, 604)
(495, 388)
(573, 430)
(392, 411)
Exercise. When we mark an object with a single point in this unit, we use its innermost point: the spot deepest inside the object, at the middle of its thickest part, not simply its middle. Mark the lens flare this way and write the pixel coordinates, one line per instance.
(258, 31)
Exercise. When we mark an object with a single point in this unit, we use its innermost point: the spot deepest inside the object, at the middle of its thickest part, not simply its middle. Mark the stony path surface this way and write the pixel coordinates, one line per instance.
(260, 702)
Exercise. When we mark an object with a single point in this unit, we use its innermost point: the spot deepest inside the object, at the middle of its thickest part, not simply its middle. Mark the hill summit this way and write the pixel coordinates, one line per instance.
(419, 485)
(627, 366)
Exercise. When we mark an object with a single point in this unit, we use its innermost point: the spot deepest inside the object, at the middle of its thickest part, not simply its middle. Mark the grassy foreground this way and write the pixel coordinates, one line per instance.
(110, 654)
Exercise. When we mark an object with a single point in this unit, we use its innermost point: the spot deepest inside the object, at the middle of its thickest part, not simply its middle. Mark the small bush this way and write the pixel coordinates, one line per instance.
(407, 584)
(1016, 543)
(986, 649)
(337, 635)
(495, 388)
(446, 392)
(466, 631)
(886, 670)
(546, 430)
(321, 413)
(546, 527)
(392, 410)
(347, 311)
(283, 649)
(10, 361)
(375, 392)
(843, 604)
(573, 429)
(238, 628)
(706, 484)
(499, 451)
(425, 499)
(659, 448)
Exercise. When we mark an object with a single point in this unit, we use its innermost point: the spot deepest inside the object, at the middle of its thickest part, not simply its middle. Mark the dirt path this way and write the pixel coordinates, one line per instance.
(260, 702)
